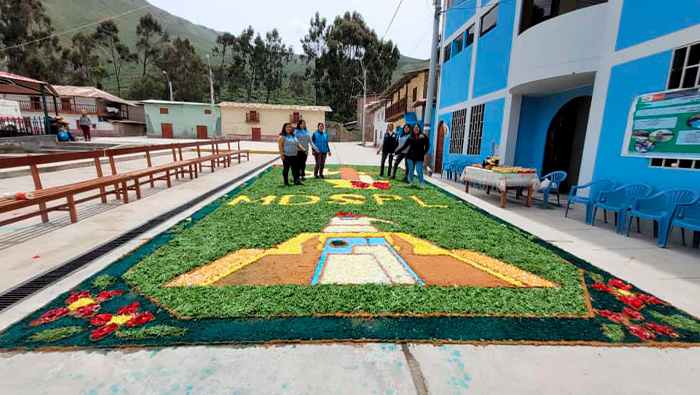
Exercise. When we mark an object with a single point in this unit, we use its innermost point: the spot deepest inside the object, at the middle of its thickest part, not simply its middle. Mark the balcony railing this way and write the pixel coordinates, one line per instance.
(396, 110)
(535, 12)
(17, 126)
(66, 108)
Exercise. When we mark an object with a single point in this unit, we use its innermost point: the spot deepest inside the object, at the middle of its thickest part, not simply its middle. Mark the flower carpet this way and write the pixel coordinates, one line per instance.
(350, 258)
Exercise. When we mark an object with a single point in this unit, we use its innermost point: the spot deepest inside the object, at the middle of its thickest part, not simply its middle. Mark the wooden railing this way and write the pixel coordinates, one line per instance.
(17, 126)
(396, 109)
(26, 105)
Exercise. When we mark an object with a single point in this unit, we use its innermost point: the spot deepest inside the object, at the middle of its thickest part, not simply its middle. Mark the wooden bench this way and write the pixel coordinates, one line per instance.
(42, 197)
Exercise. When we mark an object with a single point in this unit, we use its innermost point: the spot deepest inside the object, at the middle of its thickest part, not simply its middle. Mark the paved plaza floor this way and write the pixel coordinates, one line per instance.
(30, 248)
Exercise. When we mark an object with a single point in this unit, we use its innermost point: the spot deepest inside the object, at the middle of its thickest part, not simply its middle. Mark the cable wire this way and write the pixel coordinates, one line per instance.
(392, 19)
(74, 29)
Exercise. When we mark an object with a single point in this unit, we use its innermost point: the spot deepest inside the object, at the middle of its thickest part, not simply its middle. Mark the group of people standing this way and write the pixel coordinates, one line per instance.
(409, 144)
(294, 147)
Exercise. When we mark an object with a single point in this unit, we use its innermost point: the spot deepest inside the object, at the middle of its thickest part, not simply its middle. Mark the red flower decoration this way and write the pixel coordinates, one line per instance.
(129, 309)
(632, 314)
(384, 186)
(360, 184)
(50, 316)
(101, 319)
(140, 319)
(345, 214)
(633, 301)
(648, 299)
(661, 329)
(87, 311)
(103, 331)
(603, 287)
(619, 285)
(611, 315)
(75, 296)
(640, 332)
(107, 295)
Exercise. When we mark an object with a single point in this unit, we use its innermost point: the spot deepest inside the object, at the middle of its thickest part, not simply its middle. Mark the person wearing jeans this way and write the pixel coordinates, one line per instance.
(401, 150)
(387, 148)
(418, 145)
(289, 147)
(320, 141)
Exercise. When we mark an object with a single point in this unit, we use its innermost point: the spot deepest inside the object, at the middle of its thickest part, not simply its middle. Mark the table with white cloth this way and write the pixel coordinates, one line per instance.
(501, 181)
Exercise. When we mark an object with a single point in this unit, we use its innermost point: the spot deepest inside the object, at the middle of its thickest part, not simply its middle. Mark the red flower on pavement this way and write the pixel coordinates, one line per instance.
(384, 186)
(101, 319)
(648, 299)
(661, 329)
(640, 332)
(611, 315)
(346, 214)
(603, 287)
(619, 284)
(140, 319)
(632, 314)
(75, 296)
(632, 301)
(107, 295)
(103, 331)
(129, 309)
(50, 316)
(87, 311)
(360, 184)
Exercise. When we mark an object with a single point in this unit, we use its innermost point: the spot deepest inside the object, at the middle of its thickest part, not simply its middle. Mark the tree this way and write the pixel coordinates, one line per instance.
(118, 54)
(314, 47)
(186, 69)
(276, 55)
(21, 22)
(228, 42)
(83, 59)
(297, 84)
(349, 45)
(149, 86)
(151, 36)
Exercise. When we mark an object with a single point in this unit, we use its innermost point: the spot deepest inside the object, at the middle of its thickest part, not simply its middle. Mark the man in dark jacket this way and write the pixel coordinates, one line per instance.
(387, 148)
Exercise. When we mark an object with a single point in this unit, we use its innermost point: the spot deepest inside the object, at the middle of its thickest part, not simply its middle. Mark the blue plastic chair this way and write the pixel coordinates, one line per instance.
(596, 187)
(661, 208)
(555, 179)
(619, 201)
(688, 217)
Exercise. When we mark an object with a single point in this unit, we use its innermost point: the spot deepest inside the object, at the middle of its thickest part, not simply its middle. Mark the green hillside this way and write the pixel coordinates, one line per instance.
(68, 14)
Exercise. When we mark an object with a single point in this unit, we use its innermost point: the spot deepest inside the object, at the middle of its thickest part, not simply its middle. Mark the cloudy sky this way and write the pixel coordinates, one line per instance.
(411, 29)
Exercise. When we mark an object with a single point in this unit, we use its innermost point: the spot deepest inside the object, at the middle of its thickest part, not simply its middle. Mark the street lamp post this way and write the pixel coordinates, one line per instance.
(364, 98)
(170, 84)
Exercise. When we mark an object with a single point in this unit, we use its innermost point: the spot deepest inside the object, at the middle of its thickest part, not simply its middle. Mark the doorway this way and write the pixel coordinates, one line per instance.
(257, 134)
(166, 130)
(565, 139)
(439, 147)
(202, 132)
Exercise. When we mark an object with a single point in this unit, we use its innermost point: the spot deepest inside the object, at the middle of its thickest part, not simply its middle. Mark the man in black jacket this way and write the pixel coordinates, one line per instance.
(387, 148)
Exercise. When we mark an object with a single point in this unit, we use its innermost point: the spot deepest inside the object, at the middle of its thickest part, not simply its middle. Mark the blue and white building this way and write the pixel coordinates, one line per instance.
(549, 84)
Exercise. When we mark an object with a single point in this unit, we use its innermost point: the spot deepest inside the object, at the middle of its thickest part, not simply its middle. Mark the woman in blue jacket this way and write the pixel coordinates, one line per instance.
(319, 140)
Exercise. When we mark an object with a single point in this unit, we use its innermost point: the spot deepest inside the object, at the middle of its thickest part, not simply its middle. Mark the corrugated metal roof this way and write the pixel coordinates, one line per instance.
(89, 91)
(263, 106)
(26, 82)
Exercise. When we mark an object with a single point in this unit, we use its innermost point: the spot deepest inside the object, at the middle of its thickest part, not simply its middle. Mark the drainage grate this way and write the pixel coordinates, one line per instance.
(42, 281)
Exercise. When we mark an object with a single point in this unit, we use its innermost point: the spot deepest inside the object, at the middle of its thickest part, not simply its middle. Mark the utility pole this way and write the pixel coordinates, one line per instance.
(364, 101)
(170, 84)
(432, 74)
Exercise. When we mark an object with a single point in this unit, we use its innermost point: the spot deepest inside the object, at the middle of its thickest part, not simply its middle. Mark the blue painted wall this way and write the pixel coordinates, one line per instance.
(493, 119)
(625, 86)
(455, 78)
(536, 114)
(644, 20)
(458, 14)
(493, 54)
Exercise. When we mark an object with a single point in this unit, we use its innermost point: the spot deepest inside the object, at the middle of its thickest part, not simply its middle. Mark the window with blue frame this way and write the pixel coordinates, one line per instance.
(457, 129)
(446, 55)
(458, 44)
(470, 36)
(685, 68)
(489, 21)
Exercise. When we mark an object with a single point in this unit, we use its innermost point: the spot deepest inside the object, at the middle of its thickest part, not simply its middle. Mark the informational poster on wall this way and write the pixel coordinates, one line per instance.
(664, 125)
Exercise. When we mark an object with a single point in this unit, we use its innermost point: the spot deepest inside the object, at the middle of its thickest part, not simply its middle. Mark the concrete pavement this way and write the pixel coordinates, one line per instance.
(363, 368)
